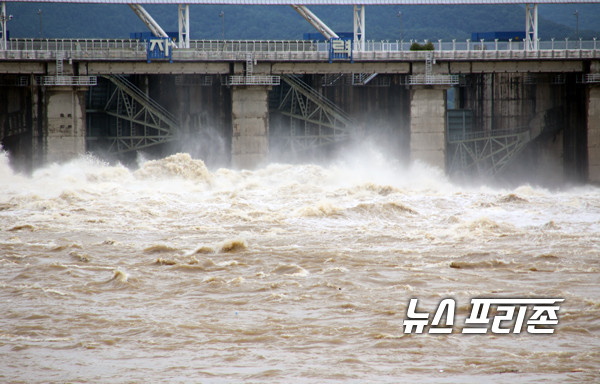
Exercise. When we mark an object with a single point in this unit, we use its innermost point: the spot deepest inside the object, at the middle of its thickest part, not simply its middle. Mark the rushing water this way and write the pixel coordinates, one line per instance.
(290, 273)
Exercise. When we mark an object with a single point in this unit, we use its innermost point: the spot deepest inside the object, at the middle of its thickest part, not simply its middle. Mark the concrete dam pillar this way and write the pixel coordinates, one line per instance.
(250, 122)
(64, 134)
(428, 126)
(593, 134)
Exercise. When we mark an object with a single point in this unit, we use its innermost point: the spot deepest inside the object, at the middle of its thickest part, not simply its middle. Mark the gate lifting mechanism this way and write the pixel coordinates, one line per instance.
(486, 155)
(141, 122)
(314, 120)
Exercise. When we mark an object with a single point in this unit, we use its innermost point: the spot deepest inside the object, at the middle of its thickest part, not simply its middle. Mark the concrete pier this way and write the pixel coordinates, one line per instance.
(593, 134)
(64, 131)
(428, 126)
(250, 122)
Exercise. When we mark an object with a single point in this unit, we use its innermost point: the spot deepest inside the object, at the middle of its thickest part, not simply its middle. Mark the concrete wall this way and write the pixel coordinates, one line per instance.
(250, 122)
(498, 101)
(64, 128)
(552, 107)
(593, 134)
(428, 126)
(39, 125)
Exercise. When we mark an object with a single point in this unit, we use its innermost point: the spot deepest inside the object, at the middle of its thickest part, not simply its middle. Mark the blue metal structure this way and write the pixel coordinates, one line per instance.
(159, 48)
(340, 49)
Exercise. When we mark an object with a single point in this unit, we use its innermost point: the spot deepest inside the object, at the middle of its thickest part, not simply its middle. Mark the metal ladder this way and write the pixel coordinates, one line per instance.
(60, 55)
(428, 63)
(249, 64)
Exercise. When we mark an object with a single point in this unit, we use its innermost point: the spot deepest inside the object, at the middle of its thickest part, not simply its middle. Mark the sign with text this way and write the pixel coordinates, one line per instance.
(159, 48)
(340, 49)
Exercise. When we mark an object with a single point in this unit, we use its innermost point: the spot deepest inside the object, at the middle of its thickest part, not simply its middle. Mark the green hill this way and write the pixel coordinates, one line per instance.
(282, 22)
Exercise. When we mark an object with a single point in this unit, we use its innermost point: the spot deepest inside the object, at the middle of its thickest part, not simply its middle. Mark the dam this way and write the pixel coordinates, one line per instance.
(469, 107)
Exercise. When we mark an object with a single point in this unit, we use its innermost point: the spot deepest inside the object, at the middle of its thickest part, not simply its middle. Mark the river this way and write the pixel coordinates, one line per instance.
(172, 272)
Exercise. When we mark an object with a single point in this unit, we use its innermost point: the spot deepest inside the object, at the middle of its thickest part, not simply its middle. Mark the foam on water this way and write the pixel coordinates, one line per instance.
(173, 271)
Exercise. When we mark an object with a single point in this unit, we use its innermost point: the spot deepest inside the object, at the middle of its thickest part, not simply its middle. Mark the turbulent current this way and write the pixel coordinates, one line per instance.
(286, 274)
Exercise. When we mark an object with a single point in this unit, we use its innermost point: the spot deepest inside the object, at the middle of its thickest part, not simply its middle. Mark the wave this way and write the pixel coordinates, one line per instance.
(493, 263)
(83, 257)
(232, 246)
(290, 270)
(22, 227)
(551, 225)
(161, 261)
(180, 165)
(120, 276)
(484, 225)
(321, 209)
(204, 250)
(512, 198)
(393, 208)
(160, 248)
(63, 247)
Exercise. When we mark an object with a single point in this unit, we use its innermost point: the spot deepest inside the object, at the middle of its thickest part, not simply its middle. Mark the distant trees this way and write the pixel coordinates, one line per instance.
(428, 46)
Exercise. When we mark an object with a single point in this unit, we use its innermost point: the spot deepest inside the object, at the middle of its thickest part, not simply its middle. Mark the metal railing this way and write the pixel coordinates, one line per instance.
(253, 80)
(66, 80)
(455, 137)
(293, 50)
(591, 78)
(433, 79)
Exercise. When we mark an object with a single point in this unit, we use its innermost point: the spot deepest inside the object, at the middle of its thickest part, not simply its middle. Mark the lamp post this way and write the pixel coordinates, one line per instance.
(222, 16)
(400, 18)
(576, 23)
(39, 12)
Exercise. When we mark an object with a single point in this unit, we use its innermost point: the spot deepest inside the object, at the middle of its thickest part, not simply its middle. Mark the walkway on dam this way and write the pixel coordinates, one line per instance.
(294, 50)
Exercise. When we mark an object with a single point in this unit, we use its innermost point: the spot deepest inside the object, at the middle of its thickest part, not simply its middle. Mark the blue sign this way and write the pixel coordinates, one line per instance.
(340, 49)
(159, 48)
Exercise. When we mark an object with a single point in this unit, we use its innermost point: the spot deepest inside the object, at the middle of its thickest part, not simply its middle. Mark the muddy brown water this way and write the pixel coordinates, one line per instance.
(290, 273)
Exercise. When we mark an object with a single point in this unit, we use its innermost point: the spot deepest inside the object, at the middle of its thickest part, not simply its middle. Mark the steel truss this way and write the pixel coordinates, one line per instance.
(141, 121)
(359, 27)
(362, 78)
(183, 15)
(314, 120)
(485, 154)
(319, 25)
(356, 79)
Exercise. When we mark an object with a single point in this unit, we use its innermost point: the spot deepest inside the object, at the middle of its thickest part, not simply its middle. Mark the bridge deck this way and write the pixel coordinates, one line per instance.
(292, 50)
